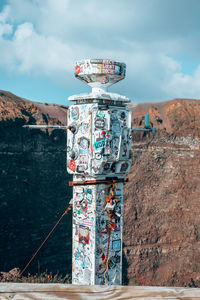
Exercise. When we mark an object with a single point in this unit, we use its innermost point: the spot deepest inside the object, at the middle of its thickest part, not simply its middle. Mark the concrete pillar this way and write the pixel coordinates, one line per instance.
(98, 155)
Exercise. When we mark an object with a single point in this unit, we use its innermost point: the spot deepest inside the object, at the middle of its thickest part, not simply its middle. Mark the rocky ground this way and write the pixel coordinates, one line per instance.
(162, 197)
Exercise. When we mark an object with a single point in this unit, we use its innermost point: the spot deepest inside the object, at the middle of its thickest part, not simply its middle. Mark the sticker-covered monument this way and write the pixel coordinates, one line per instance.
(99, 156)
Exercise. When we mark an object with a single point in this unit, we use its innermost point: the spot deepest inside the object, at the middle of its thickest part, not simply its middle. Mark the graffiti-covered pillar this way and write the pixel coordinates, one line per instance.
(98, 155)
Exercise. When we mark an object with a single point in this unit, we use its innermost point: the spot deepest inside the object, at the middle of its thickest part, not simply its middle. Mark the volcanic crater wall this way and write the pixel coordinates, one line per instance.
(162, 197)
(34, 187)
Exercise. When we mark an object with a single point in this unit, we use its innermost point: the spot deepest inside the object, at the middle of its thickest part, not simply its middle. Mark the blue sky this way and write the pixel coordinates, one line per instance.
(159, 40)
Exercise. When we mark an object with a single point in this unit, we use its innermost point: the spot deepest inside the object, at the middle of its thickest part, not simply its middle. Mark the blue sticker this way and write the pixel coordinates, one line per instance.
(99, 145)
(77, 254)
(75, 113)
(116, 245)
(100, 114)
(83, 107)
(82, 151)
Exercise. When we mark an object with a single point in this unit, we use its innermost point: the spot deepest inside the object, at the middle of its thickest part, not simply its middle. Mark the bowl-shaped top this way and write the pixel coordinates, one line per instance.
(100, 73)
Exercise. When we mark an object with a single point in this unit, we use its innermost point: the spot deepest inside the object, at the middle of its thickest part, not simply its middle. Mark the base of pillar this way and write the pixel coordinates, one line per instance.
(97, 232)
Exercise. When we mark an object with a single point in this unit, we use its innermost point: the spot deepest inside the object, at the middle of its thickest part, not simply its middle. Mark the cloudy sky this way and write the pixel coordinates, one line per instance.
(159, 40)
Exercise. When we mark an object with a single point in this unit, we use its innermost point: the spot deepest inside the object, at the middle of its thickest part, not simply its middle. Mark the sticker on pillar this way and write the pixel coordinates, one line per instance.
(107, 167)
(83, 159)
(118, 211)
(124, 149)
(124, 167)
(113, 167)
(68, 147)
(83, 151)
(114, 115)
(77, 254)
(99, 253)
(87, 262)
(88, 222)
(84, 108)
(117, 258)
(103, 79)
(84, 205)
(116, 245)
(72, 165)
(107, 150)
(76, 230)
(99, 144)
(83, 142)
(100, 114)
(78, 205)
(75, 113)
(111, 263)
(115, 143)
(105, 241)
(122, 115)
(116, 127)
(89, 195)
(79, 190)
(87, 276)
(83, 234)
(103, 256)
(78, 69)
(100, 271)
(79, 197)
(73, 154)
(98, 156)
(99, 123)
(84, 127)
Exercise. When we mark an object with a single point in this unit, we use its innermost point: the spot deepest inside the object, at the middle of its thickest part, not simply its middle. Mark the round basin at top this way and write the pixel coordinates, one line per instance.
(100, 73)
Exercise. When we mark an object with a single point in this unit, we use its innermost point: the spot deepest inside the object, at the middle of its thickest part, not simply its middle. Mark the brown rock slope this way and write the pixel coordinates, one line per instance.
(13, 107)
(162, 198)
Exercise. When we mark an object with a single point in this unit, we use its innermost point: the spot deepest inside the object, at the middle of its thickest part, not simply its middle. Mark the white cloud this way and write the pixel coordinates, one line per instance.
(49, 36)
(4, 14)
(5, 29)
(183, 85)
(39, 54)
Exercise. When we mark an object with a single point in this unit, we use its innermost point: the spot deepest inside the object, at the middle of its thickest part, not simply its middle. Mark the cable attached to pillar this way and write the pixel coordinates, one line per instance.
(106, 258)
(65, 213)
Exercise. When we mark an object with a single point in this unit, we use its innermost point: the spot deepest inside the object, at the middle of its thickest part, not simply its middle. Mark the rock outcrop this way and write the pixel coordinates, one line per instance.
(162, 197)
(34, 189)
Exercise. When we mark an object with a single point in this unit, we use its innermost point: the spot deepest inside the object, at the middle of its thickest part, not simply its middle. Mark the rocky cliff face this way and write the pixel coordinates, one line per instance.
(162, 197)
(34, 187)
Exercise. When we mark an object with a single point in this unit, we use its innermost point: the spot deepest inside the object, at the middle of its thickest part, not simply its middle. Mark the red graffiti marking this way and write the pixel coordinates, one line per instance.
(72, 165)
(78, 69)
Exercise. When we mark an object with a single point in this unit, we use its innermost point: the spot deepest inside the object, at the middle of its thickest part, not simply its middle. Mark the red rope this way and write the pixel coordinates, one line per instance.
(106, 258)
(65, 213)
